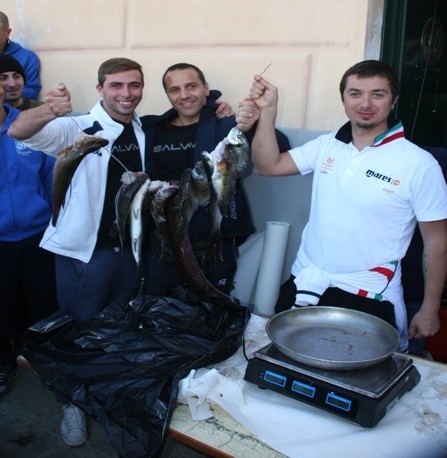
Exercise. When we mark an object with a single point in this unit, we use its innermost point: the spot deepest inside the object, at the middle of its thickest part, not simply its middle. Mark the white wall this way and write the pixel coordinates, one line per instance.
(309, 44)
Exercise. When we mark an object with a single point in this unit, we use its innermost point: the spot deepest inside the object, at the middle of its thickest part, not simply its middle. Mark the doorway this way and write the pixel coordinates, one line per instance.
(414, 43)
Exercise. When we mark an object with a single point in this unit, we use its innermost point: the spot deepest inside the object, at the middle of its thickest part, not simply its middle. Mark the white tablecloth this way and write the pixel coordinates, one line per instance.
(416, 427)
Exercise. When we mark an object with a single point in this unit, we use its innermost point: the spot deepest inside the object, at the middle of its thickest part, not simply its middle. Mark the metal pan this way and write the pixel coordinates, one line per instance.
(332, 337)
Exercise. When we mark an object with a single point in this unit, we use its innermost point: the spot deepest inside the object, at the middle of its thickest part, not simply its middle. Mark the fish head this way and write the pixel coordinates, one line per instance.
(89, 143)
(200, 172)
(155, 186)
(166, 191)
(199, 185)
(82, 146)
(128, 177)
(208, 165)
(240, 149)
(236, 137)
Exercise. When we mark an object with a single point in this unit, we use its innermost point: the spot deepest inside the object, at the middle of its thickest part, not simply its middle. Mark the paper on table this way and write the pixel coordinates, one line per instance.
(271, 267)
(248, 267)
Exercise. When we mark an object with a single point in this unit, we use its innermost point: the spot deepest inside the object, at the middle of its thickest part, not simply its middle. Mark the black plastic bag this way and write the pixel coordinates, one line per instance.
(123, 366)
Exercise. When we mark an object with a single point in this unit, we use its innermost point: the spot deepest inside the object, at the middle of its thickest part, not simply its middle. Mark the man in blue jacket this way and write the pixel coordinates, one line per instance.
(175, 142)
(27, 58)
(27, 276)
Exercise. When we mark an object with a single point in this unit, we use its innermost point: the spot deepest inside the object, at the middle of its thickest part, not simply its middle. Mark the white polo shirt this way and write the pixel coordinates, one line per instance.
(366, 204)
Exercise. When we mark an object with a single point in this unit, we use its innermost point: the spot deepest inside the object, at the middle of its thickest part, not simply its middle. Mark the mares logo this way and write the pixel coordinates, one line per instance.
(379, 176)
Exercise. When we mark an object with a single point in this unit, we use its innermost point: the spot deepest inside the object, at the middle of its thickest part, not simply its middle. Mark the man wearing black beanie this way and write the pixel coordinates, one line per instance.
(12, 78)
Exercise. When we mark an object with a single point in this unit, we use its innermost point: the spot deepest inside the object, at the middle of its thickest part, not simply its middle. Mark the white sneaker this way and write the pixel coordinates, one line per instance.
(73, 426)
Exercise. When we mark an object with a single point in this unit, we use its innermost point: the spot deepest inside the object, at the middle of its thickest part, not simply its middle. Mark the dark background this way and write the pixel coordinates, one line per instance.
(414, 43)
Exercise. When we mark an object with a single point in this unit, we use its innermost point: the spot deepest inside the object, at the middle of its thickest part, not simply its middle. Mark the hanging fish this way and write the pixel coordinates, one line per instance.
(67, 162)
(131, 183)
(137, 220)
(159, 196)
(226, 164)
(241, 149)
(197, 191)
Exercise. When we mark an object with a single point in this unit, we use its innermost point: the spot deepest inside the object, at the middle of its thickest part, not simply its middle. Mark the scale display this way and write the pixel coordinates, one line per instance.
(348, 394)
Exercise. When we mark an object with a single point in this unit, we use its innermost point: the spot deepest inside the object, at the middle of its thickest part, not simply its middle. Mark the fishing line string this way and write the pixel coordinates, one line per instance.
(106, 149)
(265, 69)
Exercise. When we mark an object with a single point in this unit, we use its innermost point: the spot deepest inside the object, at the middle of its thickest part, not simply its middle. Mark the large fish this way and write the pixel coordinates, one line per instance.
(171, 217)
(67, 162)
(226, 164)
(131, 183)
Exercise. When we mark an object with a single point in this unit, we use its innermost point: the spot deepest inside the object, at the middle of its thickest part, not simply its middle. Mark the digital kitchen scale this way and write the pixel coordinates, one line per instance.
(363, 396)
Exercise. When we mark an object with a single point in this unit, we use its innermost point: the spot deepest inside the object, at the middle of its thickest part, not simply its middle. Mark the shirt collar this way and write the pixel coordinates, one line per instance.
(395, 131)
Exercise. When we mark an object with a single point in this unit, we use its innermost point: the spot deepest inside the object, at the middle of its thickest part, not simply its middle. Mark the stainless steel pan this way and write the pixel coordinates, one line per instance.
(332, 337)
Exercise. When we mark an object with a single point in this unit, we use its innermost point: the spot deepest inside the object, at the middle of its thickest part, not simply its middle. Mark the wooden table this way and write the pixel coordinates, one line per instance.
(219, 436)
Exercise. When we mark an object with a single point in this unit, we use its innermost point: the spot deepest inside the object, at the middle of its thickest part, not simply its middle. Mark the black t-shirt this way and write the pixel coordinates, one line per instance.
(174, 150)
(127, 151)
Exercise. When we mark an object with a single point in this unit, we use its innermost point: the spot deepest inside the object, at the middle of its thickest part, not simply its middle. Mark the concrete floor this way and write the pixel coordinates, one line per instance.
(29, 427)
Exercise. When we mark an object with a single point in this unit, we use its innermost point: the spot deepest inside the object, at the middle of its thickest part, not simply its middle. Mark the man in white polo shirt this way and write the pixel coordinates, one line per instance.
(371, 187)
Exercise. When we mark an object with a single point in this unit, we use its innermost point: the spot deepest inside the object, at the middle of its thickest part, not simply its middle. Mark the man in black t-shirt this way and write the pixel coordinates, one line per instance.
(175, 142)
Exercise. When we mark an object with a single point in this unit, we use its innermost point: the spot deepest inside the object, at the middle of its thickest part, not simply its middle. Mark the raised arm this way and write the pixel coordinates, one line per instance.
(29, 122)
(434, 263)
(267, 158)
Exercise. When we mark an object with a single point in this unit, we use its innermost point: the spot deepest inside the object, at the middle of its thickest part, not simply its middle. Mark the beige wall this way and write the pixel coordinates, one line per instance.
(309, 44)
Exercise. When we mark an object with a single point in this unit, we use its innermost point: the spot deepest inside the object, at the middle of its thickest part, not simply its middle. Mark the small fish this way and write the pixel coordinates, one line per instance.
(200, 181)
(222, 170)
(202, 194)
(241, 149)
(226, 164)
(196, 192)
(159, 196)
(67, 162)
(137, 220)
(131, 183)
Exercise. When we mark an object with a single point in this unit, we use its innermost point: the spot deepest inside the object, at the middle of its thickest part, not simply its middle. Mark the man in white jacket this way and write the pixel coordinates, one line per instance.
(91, 267)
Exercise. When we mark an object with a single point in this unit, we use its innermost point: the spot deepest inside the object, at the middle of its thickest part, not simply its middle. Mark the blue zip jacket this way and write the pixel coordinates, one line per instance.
(25, 186)
(31, 66)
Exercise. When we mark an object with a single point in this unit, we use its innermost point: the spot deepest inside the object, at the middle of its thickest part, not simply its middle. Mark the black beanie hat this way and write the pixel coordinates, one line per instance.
(9, 64)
